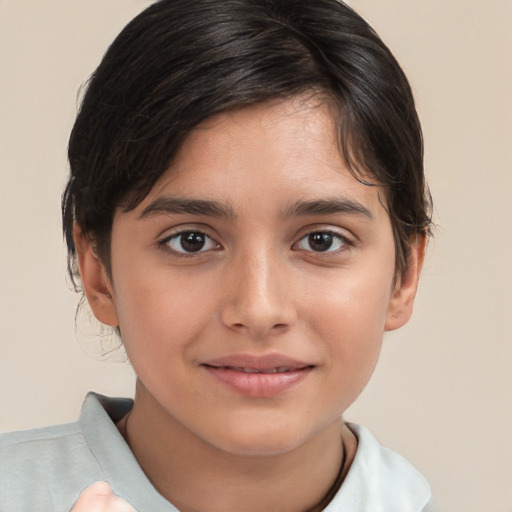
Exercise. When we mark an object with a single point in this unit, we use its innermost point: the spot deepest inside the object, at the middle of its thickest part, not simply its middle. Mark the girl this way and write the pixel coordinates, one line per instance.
(247, 208)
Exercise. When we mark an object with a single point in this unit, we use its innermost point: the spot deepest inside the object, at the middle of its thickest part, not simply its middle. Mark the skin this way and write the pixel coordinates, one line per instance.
(99, 497)
(258, 287)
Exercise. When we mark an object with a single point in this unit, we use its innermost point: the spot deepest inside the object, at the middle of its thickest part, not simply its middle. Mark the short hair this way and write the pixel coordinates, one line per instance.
(180, 62)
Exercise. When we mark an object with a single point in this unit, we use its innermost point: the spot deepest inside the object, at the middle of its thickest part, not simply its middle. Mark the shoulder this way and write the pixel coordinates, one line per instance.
(36, 449)
(38, 466)
(22, 438)
(59, 446)
(380, 480)
(47, 468)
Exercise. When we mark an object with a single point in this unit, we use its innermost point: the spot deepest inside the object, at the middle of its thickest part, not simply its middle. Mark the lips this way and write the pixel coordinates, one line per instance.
(258, 376)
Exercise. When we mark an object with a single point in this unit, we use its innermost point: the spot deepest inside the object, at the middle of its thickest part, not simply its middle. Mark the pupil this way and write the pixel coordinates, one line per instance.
(192, 242)
(320, 241)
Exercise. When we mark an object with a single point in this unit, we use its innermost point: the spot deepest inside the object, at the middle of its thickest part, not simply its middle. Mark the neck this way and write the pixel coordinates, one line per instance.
(197, 477)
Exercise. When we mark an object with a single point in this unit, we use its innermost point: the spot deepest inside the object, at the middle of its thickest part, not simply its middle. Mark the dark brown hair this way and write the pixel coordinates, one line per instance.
(181, 61)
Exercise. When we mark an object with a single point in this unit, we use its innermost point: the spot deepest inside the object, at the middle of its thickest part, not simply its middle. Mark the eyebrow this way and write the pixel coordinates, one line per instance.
(181, 205)
(328, 206)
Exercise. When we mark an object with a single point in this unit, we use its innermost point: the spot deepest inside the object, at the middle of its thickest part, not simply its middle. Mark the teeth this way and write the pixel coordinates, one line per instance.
(250, 370)
(276, 369)
(279, 369)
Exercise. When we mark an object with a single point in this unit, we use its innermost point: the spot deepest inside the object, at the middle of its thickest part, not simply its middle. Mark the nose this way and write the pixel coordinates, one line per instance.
(258, 299)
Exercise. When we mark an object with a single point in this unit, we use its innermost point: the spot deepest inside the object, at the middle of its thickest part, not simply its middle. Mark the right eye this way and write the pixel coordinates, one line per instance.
(190, 242)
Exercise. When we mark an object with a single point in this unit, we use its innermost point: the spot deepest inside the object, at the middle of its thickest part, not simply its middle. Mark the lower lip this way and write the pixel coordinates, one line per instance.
(258, 385)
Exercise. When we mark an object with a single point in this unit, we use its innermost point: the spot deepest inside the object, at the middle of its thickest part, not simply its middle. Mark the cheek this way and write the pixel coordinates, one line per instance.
(347, 319)
(351, 304)
(159, 316)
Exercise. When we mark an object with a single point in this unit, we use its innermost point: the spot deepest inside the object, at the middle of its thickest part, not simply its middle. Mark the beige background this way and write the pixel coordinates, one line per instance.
(442, 393)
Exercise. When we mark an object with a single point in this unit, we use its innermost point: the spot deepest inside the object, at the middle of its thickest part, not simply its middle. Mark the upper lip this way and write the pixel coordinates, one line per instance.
(264, 362)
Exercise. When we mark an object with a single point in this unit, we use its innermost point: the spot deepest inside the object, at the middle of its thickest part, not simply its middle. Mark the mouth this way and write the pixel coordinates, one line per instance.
(266, 363)
(258, 377)
(275, 369)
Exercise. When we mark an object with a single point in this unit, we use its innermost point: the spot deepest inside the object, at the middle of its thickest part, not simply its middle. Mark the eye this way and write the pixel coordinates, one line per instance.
(189, 242)
(322, 241)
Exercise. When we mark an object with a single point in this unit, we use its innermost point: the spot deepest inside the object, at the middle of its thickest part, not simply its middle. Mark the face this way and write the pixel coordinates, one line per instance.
(253, 285)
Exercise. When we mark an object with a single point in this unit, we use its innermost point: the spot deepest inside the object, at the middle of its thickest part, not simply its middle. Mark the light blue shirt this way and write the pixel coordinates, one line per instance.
(46, 469)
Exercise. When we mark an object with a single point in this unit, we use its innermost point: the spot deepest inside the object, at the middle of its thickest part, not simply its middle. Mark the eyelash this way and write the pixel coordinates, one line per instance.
(165, 243)
(345, 243)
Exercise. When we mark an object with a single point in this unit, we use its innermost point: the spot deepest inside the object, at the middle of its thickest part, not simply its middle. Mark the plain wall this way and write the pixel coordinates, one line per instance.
(441, 395)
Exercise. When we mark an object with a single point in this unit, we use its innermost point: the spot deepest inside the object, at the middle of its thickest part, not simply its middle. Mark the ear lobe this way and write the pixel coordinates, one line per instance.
(402, 301)
(97, 286)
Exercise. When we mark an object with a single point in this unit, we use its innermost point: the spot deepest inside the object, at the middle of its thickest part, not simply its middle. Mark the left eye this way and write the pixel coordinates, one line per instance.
(191, 242)
(321, 241)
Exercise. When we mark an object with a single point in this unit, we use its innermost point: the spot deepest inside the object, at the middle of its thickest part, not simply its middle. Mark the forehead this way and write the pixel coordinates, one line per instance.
(245, 156)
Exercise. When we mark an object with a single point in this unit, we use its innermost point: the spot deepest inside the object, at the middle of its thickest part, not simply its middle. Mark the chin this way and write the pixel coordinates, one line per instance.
(253, 440)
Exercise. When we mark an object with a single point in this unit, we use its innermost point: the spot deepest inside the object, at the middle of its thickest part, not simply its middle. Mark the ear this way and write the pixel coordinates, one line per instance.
(97, 286)
(402, 300)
